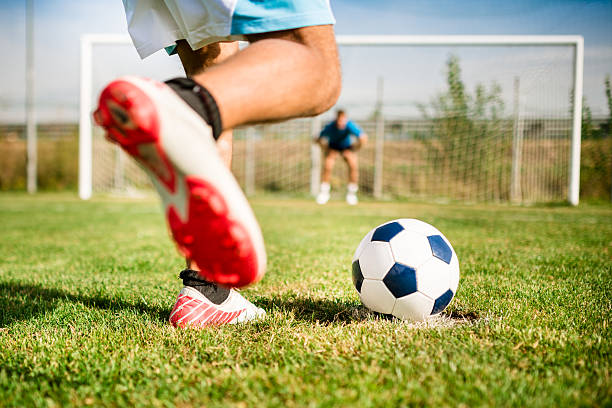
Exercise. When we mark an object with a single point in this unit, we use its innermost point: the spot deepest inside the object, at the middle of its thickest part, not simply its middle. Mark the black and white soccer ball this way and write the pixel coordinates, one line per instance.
(406, 268)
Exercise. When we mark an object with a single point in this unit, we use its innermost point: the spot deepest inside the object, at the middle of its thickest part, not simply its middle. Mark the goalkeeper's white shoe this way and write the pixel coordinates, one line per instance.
(208, 215)
(351, 194)
(351, 199)
(323, 196)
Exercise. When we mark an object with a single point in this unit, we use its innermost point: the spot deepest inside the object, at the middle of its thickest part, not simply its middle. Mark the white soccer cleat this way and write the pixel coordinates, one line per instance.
(210, 219)
(351, 199)
(351, 194)
(322, 198)
(193, 309)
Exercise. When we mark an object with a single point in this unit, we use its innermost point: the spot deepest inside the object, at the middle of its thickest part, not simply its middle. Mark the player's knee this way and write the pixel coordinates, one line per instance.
(330, 82)
(330, 87)
(322, 55)
(321, 42)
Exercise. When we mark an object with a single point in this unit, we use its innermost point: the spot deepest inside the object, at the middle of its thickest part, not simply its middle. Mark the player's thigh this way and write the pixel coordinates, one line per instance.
(321, 37)
(330, 157)
(197, 61)
(350, 157)
(321, 41)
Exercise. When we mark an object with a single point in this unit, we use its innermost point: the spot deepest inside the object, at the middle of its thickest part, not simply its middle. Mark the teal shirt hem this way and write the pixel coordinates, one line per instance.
(250, 25)
(171, 49)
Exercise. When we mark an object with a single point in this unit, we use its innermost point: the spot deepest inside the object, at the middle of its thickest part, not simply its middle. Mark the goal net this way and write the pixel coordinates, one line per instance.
(470, 118)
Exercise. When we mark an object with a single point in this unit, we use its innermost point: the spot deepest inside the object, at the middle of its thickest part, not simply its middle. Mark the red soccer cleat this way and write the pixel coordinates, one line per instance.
(209, 217)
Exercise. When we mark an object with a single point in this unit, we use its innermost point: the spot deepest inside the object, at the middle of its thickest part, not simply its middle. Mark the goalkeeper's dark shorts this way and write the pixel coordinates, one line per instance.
(341, 149)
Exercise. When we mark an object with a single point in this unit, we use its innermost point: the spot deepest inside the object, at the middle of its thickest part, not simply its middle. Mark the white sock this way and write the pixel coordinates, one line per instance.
(352, 188)
(325, 187)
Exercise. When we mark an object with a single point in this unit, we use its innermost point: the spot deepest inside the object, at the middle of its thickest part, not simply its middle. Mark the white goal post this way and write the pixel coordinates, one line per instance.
(88, 41)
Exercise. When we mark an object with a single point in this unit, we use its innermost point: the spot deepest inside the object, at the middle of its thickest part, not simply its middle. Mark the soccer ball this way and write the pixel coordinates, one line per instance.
(406, 268)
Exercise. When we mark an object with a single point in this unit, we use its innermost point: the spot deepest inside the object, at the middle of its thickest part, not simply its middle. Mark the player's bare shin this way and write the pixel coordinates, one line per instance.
(328, 165)
(350, 158)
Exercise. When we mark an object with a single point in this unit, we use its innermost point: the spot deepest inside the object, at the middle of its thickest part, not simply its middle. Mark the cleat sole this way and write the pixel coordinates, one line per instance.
(207, 234)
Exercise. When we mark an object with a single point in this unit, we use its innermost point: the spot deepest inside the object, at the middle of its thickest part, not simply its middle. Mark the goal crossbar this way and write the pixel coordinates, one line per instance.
(88, 41)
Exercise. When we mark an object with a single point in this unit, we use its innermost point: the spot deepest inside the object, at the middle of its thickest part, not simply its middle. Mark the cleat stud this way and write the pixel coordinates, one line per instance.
(217, 205)
(98, 117)
(200, 193)
(242, 250)
(231, 278)
(228, 243)
(237, 233)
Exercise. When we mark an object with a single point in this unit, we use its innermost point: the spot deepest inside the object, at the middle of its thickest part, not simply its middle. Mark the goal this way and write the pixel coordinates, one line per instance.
(470, 118)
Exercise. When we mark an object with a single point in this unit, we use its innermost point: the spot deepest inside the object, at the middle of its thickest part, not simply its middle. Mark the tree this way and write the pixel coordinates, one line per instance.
(609, 98)
(463, 125)
(587, 130)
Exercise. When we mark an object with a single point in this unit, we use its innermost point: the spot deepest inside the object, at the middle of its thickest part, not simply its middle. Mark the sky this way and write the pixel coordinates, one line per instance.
(411, 76)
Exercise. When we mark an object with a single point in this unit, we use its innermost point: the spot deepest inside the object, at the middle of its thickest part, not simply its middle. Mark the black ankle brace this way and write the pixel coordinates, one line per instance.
(200, 100)
(215, 293)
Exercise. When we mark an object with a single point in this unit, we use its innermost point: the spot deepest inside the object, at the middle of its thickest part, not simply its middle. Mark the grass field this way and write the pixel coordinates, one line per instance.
(86, 288)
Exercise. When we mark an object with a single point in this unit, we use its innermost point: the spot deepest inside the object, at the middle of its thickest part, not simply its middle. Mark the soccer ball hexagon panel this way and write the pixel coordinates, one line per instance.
(434, 278)
(375, 260)
(376, 296)
(411, 248)
(362, 244)
(406, 268)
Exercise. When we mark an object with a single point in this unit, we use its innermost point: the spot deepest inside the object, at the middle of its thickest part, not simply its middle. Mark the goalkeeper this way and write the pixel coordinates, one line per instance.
(341, 137)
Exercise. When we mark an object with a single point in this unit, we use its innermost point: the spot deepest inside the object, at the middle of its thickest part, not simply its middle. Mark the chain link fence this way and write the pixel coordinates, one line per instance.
(282, 158)
(413, 162)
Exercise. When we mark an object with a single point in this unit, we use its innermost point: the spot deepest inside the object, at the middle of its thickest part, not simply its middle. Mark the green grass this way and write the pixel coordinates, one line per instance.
(86, 288)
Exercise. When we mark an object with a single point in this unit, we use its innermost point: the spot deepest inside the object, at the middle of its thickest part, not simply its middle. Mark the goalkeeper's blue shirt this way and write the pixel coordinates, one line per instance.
(340, 139)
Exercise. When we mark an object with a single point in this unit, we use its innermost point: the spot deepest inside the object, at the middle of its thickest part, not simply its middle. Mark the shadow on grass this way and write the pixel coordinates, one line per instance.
(464, 316)
(22, 301)
(338, 311)
(313, 310)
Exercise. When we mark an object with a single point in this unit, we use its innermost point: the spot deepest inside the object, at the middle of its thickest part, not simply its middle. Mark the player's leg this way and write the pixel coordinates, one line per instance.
(194, 63)
(202, 303)
(280, 75)
(197, 61)
(350, 157)
(283, 74)
(167, 129)
(328, 166)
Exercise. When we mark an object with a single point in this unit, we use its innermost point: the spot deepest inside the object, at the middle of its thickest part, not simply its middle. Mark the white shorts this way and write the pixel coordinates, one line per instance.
(156, 24)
